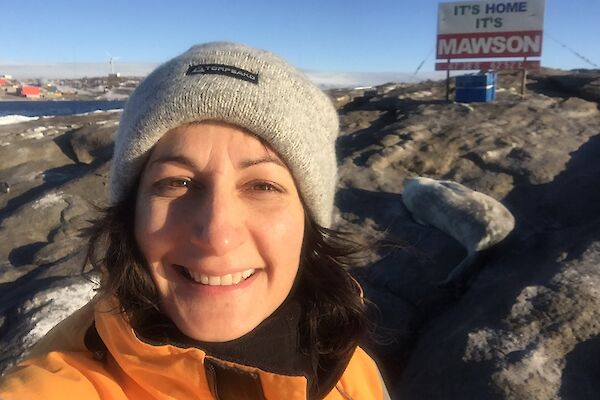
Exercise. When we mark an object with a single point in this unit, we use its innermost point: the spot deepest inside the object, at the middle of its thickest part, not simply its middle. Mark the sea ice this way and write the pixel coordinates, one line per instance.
(112, 110)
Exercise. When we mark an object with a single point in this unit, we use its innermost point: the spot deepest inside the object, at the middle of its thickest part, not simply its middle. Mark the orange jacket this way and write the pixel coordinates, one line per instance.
(137, 370)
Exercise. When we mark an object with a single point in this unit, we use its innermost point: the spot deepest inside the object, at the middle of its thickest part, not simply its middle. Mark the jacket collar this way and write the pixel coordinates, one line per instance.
(167, 371)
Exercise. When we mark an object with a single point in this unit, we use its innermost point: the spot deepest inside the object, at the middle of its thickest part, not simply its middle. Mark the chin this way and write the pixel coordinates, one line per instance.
(216, 331)
(213, 324)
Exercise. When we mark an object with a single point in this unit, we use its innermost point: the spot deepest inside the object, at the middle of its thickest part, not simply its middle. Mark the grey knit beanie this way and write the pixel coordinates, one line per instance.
(250, 88)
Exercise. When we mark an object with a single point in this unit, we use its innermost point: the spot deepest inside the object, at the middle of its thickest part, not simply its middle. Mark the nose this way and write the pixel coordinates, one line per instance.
(219, 225)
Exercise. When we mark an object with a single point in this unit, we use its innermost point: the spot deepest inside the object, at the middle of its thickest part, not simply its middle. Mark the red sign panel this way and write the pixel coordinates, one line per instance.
(490, 44)
(485, 65)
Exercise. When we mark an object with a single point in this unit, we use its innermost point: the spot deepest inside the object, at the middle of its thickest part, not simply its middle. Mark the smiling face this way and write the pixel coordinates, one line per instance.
(220, 224)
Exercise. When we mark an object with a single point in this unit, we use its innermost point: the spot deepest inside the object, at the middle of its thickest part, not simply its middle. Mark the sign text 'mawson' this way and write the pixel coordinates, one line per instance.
(497, 44)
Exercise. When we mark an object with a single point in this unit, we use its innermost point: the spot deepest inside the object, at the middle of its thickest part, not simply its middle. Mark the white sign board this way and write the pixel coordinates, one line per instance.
(479, 29)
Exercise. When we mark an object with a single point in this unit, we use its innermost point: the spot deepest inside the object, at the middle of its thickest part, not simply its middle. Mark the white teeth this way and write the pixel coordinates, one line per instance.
(225, 280)
(246, 274)
(236, 278)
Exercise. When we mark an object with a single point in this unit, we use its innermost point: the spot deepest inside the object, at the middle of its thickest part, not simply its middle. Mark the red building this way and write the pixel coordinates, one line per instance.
(29, 91)
(2, 82)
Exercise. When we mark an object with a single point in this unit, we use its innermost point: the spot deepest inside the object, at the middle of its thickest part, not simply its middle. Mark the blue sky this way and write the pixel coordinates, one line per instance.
(325, 35)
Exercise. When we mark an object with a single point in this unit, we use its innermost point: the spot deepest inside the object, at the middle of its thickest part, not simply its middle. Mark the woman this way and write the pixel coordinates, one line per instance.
(220, 278)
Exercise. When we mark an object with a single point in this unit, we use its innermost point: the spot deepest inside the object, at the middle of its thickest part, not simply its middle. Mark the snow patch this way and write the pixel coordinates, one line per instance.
(108, 123)
(48, 200)
(113, 96)
(54, 305)
(15, 119)
(422, 93)
(35, 133)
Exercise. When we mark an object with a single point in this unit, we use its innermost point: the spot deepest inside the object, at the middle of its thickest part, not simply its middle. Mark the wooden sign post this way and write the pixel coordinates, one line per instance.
(524, 77)
(448, 83)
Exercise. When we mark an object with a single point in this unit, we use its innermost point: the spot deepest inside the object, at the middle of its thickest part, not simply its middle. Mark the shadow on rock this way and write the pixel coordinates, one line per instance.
(348, 144)
(570, 200)
(580, 376)
(395, 331)
(64, 144)
(402, 286)
(53, 178)
(584, 84)
(418, 258)
(25, 254)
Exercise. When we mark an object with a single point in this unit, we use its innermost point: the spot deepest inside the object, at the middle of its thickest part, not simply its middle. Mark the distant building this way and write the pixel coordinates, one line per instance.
(51, 90)
(113, 80)
(8, 85)
(29, 91)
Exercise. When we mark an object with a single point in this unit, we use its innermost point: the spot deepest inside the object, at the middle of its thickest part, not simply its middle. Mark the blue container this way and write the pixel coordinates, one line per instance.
(473, 95)
(476, 87)
(476, 80)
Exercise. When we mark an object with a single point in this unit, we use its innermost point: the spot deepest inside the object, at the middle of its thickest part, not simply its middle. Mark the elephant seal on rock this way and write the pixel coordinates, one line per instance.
(475, 220)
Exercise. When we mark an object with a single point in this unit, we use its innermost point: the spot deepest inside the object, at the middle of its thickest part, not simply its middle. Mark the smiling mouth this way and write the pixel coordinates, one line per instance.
(210, 280)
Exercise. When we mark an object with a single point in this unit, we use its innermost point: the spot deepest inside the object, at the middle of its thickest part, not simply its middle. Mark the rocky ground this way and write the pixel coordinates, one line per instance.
(525, 327)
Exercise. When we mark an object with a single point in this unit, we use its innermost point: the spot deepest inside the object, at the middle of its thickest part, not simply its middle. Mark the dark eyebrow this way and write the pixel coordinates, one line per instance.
(242, 164)
(177, 159)
(249, 163)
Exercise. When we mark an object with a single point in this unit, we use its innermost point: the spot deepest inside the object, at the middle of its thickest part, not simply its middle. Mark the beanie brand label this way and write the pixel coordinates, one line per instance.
(221, 69)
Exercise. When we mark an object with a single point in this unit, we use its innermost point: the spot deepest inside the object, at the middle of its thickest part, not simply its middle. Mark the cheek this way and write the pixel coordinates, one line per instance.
(150, 227)
(280, 241)
(288, 232)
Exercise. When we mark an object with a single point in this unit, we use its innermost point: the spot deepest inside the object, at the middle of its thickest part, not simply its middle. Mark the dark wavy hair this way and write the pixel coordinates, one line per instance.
(334, 315)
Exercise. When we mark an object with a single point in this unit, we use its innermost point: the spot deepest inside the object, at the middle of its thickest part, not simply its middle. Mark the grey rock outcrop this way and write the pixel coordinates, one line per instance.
(584, 84)
(52, 197)
(91, 143)
(539, 157)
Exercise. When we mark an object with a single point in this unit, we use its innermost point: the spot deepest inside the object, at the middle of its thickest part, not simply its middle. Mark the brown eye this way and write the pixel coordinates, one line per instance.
(172, 186)
(264, 186)
(179, 183)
